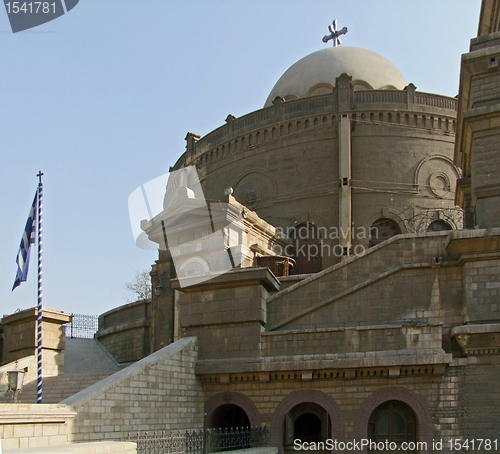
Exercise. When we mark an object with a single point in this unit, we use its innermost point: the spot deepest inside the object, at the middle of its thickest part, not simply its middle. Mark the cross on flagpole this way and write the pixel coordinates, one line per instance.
(40, 307)
(334, 34)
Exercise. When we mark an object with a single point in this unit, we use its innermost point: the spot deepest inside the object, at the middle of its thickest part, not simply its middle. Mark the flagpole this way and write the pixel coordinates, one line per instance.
(39, 324)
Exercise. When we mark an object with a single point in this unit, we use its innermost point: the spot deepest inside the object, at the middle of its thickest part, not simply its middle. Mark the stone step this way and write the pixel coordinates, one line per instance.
(58, 388)
(402, 252)
(87, 356)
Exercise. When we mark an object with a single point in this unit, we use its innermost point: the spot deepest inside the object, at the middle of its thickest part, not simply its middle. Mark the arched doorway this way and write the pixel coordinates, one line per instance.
(307, 422)
(383, 229)
(392, 421)
(230, 409)
(229, 416)
(307, 248)
(288, 419)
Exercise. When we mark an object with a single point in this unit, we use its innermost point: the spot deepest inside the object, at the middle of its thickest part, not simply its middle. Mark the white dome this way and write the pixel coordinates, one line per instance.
(316, 73)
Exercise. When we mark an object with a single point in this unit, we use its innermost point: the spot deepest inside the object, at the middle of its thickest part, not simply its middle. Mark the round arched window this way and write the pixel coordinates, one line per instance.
(307, 422)
(393, 421)
(383, 229)
(438, 226)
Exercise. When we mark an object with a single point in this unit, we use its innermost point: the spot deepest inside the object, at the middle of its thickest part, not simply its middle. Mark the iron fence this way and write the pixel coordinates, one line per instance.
(202, 441)
(82, 326)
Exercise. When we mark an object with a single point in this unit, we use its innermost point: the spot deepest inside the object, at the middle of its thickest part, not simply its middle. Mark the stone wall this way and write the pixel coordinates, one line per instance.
(105, 447)
(358, 334)
(435, 399)
(228, 314)
(35, 425)
(160, 392)
(480, 398)
(20, 338)
(478, 131)
(125, 331)
(460, 403)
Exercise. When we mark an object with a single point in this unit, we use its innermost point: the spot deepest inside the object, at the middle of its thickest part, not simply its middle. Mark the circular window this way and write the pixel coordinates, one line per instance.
(439, 184)
(251, 197)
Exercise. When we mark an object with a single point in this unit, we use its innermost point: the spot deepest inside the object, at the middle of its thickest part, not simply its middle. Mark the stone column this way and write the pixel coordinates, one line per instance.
(19, 331)
(344, 96)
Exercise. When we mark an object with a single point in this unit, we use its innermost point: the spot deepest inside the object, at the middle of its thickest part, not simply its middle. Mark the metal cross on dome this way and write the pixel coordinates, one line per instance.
(334, 34)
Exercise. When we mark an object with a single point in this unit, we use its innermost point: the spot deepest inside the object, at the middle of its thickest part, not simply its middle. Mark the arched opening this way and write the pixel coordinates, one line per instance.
(307, 248)
(307, 427)
(392, 421)
(308, 422)
(383, 229)
(228, 416)
(438, 226)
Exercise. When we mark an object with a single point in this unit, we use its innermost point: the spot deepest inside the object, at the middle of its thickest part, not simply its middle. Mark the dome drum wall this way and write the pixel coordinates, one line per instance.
(282, 161)
(414, 108)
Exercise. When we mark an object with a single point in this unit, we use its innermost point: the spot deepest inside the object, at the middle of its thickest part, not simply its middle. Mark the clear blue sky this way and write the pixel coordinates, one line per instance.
(101, 99)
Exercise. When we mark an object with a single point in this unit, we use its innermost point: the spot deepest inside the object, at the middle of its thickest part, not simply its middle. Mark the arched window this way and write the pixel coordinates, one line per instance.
(438, 226)
(393, 421)
(307, 422)
(383, 229)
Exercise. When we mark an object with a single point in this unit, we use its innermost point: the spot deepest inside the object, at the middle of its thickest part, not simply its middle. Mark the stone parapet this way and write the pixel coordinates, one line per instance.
(20, 337)
(35, 425)
(99, 447)
(159, 392)
(477, 340)
(125, 331)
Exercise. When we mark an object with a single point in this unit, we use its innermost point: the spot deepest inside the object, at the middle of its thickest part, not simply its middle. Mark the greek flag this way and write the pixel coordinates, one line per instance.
(23, 256)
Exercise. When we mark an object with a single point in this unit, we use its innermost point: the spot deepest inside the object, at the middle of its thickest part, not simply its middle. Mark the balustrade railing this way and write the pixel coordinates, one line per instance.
(201, 441)
(82, 326)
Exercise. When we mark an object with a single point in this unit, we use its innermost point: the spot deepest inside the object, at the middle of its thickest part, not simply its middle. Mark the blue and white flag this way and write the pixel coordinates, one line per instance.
(23, 256)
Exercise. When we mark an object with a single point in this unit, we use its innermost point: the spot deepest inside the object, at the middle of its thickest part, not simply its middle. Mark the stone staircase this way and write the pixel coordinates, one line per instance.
(85, 362)
(87, 356)
(56, 389)
(399, 253)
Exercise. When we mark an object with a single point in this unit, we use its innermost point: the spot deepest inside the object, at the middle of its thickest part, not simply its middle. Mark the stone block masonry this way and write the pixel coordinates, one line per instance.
(35, 425)
(160, 392)
(19, 333)
(102, 447)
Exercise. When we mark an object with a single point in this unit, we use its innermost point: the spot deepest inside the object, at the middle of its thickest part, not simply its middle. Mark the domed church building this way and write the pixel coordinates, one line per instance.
(348, 160)
(343, 144)
(355, 306)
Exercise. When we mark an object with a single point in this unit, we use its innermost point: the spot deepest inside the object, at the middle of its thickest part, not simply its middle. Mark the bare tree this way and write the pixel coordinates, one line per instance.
(139, 288)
